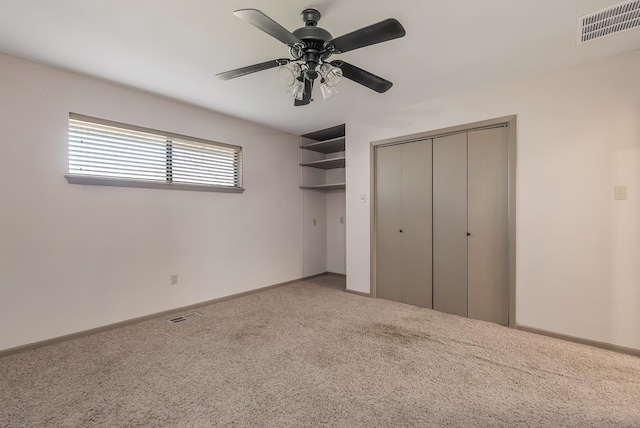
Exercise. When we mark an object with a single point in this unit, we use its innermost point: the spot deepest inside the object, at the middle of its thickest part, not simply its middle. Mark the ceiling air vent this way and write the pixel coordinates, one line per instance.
(184, 317)
(614, 19)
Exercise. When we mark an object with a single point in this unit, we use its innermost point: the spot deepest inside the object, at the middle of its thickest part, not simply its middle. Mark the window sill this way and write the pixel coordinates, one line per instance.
(105, 181)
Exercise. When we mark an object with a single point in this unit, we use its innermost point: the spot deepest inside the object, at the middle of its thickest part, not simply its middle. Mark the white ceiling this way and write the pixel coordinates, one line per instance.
(175, 47)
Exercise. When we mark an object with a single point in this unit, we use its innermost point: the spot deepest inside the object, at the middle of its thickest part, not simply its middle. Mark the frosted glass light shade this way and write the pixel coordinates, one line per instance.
(297, 90)
(330, 74)
(327, 91)
(289, 74)
(286, 75)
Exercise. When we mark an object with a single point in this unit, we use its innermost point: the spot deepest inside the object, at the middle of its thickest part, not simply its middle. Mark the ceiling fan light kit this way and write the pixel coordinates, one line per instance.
(310, 48)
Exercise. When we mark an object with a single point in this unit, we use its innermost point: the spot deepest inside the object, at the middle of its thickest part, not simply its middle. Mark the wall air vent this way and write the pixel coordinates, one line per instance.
(614, 19)
(184, 317)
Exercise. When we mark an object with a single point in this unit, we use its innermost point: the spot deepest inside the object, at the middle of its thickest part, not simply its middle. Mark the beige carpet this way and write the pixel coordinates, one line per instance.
(312, 355)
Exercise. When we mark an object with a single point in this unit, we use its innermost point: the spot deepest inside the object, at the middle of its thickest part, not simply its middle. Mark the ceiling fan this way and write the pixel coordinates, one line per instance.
(310, 48)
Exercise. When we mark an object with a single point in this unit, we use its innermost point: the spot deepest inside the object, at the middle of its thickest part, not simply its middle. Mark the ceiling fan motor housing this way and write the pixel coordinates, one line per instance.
(314, 39)
(313, 34)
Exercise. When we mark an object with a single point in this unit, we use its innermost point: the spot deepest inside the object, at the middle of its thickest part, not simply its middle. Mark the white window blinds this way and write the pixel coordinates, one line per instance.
(101, 149)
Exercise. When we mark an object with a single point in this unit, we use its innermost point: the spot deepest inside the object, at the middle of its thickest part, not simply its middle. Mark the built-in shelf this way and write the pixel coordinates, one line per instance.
(322, 159)
(326, 146)
(326, 163)
(336, 186)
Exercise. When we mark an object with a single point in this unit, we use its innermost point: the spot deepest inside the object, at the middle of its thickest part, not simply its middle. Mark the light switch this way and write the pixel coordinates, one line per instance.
(363, 198)
(620, 192)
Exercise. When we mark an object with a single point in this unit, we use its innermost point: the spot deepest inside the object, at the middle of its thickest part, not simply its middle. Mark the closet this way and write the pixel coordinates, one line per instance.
(441, 223)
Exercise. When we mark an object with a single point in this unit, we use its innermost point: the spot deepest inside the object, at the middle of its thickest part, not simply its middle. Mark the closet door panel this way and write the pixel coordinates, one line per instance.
(450, 224)
(389, 222)
(488, 243)
(416, 223)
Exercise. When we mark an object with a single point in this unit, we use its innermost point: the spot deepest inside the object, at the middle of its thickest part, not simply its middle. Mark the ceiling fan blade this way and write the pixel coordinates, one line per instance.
(363, 77)
(268, 25)
(306, 99)
(388, 29)
(231, 74)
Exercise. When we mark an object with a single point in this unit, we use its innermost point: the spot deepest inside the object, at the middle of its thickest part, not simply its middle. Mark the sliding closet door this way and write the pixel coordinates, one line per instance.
(389, 222)
(450, 224)
(488, 242)
(416, 223)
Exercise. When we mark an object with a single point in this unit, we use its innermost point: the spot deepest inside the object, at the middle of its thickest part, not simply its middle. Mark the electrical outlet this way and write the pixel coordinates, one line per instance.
(174, 279)
(620, 192)
(363, 198)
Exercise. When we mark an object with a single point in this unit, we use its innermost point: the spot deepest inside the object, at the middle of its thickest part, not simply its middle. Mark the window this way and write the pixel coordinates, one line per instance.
(112, 154)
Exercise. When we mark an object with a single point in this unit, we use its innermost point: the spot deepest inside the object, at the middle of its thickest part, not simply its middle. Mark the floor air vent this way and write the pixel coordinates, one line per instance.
(184, 317)
(614, 19)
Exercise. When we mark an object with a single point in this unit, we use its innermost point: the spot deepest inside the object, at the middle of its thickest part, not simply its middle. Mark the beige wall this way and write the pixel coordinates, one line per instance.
(77, 257)
(578, 250)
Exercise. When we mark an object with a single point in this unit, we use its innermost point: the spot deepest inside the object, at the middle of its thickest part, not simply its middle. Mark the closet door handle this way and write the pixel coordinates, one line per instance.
(400, 230)
(468, 234)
